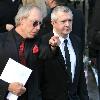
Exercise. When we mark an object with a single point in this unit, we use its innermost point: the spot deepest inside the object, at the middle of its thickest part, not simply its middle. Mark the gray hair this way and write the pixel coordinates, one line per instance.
(60, 9)
(24, 12)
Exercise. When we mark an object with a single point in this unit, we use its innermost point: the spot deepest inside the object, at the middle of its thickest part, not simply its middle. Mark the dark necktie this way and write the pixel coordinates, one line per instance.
(68, 63)
(22, 53)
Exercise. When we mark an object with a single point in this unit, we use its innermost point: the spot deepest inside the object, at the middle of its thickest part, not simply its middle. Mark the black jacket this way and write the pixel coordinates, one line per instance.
(8, 49)
(54, 84)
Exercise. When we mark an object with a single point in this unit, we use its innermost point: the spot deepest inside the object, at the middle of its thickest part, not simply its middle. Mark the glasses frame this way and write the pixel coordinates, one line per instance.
(36, 23)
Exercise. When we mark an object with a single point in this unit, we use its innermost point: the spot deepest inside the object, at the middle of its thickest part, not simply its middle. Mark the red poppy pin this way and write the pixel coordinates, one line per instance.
(35, 49)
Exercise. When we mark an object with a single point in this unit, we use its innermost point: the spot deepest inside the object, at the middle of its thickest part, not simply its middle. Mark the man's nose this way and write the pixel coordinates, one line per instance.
(38, 27)
(67, 23)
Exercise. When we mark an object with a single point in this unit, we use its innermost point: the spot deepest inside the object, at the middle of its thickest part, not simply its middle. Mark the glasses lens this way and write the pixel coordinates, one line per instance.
(36, 23)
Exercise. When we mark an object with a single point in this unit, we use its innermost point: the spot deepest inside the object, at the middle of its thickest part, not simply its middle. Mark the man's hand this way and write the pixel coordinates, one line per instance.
(54, 41)
(9, 27)
(17, 88)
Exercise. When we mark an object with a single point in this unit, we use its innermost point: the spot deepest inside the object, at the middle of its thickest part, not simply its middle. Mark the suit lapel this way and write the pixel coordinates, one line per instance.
(76, 50)
(60, 58)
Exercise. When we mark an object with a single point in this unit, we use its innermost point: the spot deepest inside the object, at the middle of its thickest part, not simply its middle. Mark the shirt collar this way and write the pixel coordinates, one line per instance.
(61, 38)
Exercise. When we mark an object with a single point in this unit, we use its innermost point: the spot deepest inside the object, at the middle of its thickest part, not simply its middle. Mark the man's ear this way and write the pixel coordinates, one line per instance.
(52, 22)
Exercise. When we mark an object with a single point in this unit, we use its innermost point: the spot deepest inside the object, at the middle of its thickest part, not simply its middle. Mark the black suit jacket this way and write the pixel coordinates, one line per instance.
(54, 83)
(8, 49)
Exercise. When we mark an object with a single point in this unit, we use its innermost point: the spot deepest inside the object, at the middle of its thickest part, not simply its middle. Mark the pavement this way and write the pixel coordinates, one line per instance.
(92, 84)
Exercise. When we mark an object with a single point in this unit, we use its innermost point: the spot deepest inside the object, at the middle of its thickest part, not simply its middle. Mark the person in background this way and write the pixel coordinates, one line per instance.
(91, 9)
(94, 39)
(63, 75)
(39, 3)
(8, 10)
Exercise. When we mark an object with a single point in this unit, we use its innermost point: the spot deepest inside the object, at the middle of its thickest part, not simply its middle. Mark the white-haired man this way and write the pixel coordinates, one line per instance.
(28, 21)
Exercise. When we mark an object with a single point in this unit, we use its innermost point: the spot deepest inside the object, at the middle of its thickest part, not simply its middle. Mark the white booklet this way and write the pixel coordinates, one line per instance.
(15, 72)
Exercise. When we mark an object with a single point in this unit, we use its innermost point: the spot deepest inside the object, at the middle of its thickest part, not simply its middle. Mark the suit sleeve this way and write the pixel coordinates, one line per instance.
(82, 86)
(3, 89)
(3, 85)
(45, 49)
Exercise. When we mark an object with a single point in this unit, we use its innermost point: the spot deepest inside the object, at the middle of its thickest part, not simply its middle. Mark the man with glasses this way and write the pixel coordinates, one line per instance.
(28, 21)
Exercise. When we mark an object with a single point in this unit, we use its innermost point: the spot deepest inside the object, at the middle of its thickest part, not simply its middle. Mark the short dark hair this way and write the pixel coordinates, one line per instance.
(62, 2)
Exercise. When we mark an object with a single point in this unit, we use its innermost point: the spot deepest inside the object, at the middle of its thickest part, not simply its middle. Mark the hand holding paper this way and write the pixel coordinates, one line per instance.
(16, 88)
(15, 72)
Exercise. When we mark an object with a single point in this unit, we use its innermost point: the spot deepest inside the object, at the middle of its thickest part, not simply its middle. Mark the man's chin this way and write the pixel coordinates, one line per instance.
(32, 35)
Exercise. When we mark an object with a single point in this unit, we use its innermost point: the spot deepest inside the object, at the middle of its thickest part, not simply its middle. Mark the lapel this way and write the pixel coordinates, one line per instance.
(60, 58)
(59, 55)
(76, 50)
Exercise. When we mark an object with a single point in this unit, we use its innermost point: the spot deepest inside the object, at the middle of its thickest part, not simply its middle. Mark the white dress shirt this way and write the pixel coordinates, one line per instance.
(71, 52)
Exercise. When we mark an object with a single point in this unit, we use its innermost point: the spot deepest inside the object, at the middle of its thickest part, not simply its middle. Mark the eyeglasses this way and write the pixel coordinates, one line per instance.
(36, 23)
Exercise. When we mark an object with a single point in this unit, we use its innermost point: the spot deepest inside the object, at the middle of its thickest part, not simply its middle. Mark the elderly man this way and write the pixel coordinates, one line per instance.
(28, 21)
(63, 75)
